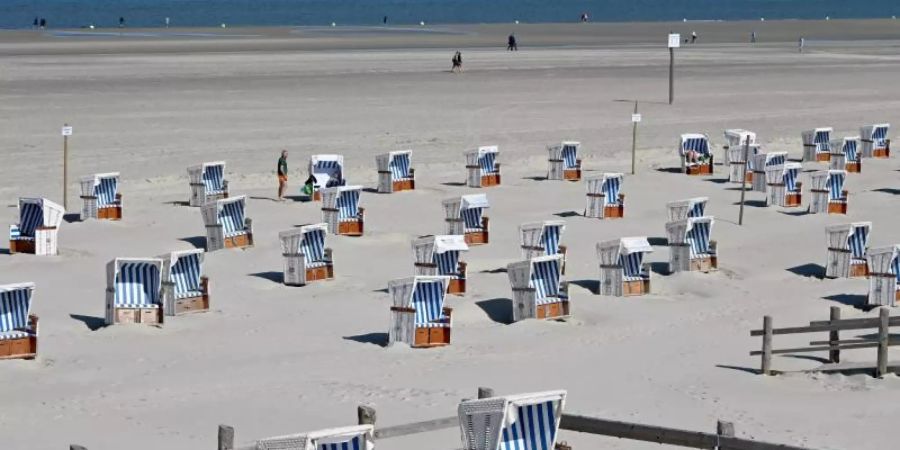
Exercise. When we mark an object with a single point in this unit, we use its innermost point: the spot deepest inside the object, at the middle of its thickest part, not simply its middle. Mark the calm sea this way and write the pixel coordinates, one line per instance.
(152, 13)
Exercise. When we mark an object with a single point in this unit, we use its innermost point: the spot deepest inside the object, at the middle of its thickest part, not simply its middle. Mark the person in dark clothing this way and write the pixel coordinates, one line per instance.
(35, 24)
(282, 175)
(511, 43)
(457, 62)
(384, 21)
(43, 23)
(121, 22)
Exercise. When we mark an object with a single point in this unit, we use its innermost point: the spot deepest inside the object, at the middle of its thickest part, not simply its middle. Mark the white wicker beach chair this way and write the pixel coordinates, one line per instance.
(884, 276)
(543, 239)
(418, 315)
(623, 271)
(440, 256)
(395, 172)
(465, 216)
(605, 199)
(690, 246)
(101, 197)
(227, 225)
(845, 155)
(133, 291)
(483, 167)
(512, 422)
(564, 163)
(784, 186)
(328, 171)
(538, 289)
(37, 230)
(18, 326)
(875, 141)
(817, 144)
(847, 247)
(341, 211)
(357, 437)
(306, 258)
(828, 193)
(208, 183)
(184, 287)
(762, 162)
(695, 153)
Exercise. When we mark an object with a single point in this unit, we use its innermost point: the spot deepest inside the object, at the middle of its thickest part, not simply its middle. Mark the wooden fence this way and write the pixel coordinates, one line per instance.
(833, 345)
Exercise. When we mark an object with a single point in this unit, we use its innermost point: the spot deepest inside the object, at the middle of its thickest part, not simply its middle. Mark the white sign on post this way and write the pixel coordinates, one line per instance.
(66, 131)
(635, 118)
(674, 40)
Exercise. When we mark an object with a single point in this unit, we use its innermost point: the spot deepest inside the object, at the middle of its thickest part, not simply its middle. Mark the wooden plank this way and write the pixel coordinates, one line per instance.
(872, 322)
(815, 329)
(638, 432)
(823, 348)
(226, 438)
(834, 355)
(766, 365)
(732, 443)
(417, 427)
(883, 342)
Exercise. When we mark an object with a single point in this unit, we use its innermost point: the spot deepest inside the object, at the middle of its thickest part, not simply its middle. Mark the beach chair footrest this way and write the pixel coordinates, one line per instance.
(572, 174)
(552, 310)
(704, 263)
(320, 273)
(476, 237)
(146, 316)
(110, 213)
(350, 228)
(457, 286)
(21, 348)
(614, 211)
(853, 167)
(881, 153)
(823, 157)
(859, 270)
(239, 241)
(432, 337)
(793, 199)
(190, 305)
(635, 287)
(492, 179)
(21, 246)
(404, 185)
(837, 207)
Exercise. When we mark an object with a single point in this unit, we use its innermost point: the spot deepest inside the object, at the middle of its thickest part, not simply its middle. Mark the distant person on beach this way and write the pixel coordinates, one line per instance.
(384, 20)
(693, 37)
(753, 37)
(801, 44)
(121, 22)
(43, 23)
(282, 175)
(584, 17)
(511, 43)
(35, 24)
(457, 62)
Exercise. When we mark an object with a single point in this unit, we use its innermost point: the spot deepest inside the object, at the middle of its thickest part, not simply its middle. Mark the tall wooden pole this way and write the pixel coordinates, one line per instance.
(65, 170)
(671, 75)
(634, 126)
(744, 180)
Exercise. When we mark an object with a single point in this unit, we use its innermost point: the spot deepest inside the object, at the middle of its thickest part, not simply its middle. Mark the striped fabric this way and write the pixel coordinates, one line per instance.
(775, 160)
(15, 233)
(487, 163)
(850, 152)
(823, 142)
(8, 335)
(611, 188)
(697, 209)
(399, 166)
(895, 265)
(550, 239)
(545, 281)
(185, 274)
(214, 179)
(332, 169)
(858, 241)
(835, 185)
(472, 219)
(231, 217)
(569, 155)
(313, 247)
(631, 266)
(137, 285)
(879, 137)
(348, 205)
(532, 428)
(14, 308)
(355, 443)
(699, 145)
(447, 263)
(428, 301)
(31, 216)
(105, 191)
(790, 179)
(698, 238)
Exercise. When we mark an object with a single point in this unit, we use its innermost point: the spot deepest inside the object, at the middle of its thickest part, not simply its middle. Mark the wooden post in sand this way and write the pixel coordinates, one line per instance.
(76, 447)
(365, 415)
(484, 392)
(766, 366)
(744, 181)
(226, 438)
(884, 324)
(834, 355)
(635, 118)
(674, 42)
(66, 132)
(724, 429)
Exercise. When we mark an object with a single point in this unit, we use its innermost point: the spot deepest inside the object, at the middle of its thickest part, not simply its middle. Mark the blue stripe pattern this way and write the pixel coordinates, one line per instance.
(487, 163)
(697, 210)
(14, 308)
(31, 216)
(137, 285)
(823, 142)
(14, 232)
(545, 280)
(106, 191)
(231, 217)
(699, 145)
(835, 186)
(698, 238)
(550, 239)
(850, 151)
(447, 263)
(858, 241)
(348, 205)
(790, 179)
(333, 169)
(895, 264)
(428, 301)
(879, 136)
(534, 428)
(569, 156)
(611, 187)
(350, 444)
(472, 218)
(313, 247)
(631, 266)
(214, 179)
(185, 274)
(775, 160)
(399, 166)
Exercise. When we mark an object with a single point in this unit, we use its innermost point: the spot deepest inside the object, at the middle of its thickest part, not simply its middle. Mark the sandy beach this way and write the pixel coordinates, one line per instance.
(271, 359)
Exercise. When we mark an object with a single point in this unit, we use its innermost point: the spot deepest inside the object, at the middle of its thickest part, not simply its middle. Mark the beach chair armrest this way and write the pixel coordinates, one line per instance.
(204, 284)
(564, 288)
(448, 312)
(484, 222)
(248, 224)
(713, 245)
(403, 309)
(328, 254)
(225, 185)
(412, 172)
(463, 269)
(33, 323)
(361, 212)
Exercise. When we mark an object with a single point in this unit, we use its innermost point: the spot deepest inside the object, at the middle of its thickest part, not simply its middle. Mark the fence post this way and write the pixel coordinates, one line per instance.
(834, 355)
(724, 429)
(484, 392)
(766, 368)
(883, 336)
(365, 415)
(226, 437)
(76, 447)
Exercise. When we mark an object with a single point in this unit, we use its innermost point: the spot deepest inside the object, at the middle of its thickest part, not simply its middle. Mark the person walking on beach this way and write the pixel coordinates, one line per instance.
(693, 37)
(35, 24)
(121, 22)
(43, 23)
(511, 43)
(457, 62)
(801, 44)
(753, 37)
(282, 175)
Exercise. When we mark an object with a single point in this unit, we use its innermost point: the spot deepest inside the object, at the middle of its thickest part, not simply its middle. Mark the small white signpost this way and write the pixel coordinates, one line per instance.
(674, 42)
(635, 118)
(66, 132)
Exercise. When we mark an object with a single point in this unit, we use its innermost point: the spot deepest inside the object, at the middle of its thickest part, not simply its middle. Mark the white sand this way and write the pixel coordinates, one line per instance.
(272, 360)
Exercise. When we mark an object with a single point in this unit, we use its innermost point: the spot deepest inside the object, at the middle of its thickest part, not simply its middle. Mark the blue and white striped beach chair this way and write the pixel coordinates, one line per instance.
(817, 144)
(735, 148)
(845, 155)
(359, 437)
(682, 209)
(884, 276)
(605, 199)
(483, 167)
(695, 153)
(690, 246)
(847, 246)
(341, 211)
(538, 289)
(37, 230)
(418, 315)
(543, 239)
(875, 141)
(622, 268)
(208, 183)
(328, 171)
(513, 422)
(828, 193)
(306, 258)
(440, 255)
(465, 216)
(133, 291)
(227, 225)
(783, 185)
(564, 163)
(760, 164)
(185, 289)
(395, 172)
(101, 197)
(18, 327)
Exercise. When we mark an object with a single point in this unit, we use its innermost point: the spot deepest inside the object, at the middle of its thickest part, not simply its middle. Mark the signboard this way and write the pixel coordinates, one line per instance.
(674, 40)
(635, 118)
(66, 131)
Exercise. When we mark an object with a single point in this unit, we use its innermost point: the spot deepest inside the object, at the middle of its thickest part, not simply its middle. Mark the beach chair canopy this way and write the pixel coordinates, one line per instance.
(850, 148)
(184, 269)
(625, 252)
(567, 152)
(213, 177)
(446, 253)
(472, 209)
(425, 294)
(487, 157)
(820, 137)
(853, 237)
(104, 186)
(885, 261)
(693, 142)
(834, 183)
(136, 281)
(544, 278)
(515, 422)
(546, 234)
(738, 137)
(359, 437)
(691, 207)
(790, 174)
(230, 214)
(397, 163)
(328, 170)
(877, 134)
(35, 213)
(15, 306)
(308, 240)
(343, 198)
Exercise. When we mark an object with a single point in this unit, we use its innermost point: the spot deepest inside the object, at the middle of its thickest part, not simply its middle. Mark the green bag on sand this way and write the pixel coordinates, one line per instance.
(308, 189)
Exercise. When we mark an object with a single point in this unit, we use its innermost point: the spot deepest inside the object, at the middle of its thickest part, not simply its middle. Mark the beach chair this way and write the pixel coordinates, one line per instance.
(683, 209)
(208, 183)
(328, 171)
(512, 422)
(306, 259)
(538, 289)
(564, 162)
(817, 144)
(760, 163)
(418, 315)
(341, 211)
(783, 185)
(690, 247)
(101, 197)
(465, 216)
(696, 157)
(543, 239)
(394, 172)
(357, 437)
(133, 291)
(735, 160)
(737, 137)
(884, 276)
(439, 256)
(623, 272)
(844, 155)
(38, 229)
(847, 246)
(482, 166)
(184, 287)
(875, 141)
(828, 193)
(605, 199)
(18, 327)
(226, 224)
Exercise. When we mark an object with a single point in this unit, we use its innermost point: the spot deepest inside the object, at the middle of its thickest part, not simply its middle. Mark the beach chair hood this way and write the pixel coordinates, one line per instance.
(328, 170)
(39, 212)
(447, 242)
(691, 207)
(15, 307)
(473, 201)
(359, 437)
(184, 269)
(136, 281)
(524, 421)
(693, 142)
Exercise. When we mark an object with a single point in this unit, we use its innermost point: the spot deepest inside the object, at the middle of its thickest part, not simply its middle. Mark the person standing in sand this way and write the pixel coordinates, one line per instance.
(511, 43)
(457, 62)
(282, 175)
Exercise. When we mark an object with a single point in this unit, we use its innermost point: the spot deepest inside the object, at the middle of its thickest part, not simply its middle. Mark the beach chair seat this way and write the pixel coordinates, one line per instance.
(623, 272)
(875, 141)
(184, 287)
(38, 229)
(690, 246)
(483, 167)
(783, 185)
(418, 315)
(847, 247)
(512, 422)
(564, 163)
(341, 211)
(18, 326)
(227, 225)
(134, 291)
(101, 197)
(306, 258)
(327, 171)
(845, 155)
(440, 256)
(695, 153)
(884, 276)
(538, 289)
(357, 437)
(207, 182)
(817, 144)
(464, 216)
(828, 193)
(395, 173)
(543, 239)
(605, 199)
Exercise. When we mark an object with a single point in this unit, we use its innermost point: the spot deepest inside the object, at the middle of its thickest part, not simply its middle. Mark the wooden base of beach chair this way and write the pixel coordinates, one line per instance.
(793, 200)
(837, 207)
(109, 213)
(239, 241)
(490, 180)
(316, 196)
(552, 310)
(476, 237)
(572, 174)
(403, 185)
(352, 227)
(859, 270)
(22, 348)
(853, 167)
(823, 157)
(432, 337)
(457, 286)
(614, 211)
(200, 303)
(705, 264)
(635, 287)
(699, 169)
(881, 153)
(320, 273)
(146, 316)
(21, 246)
